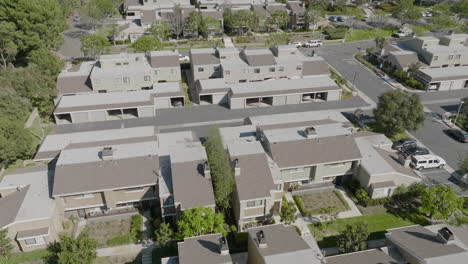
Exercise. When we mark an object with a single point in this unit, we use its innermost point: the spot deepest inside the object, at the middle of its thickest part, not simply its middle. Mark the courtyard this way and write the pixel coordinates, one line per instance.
(105, 230)
(314, 203)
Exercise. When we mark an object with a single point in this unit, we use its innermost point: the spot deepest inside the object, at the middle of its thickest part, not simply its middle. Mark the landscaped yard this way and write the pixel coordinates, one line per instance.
(365, 34)
(377, 224)
(103, 231)
(35, 257)
(377, 128)
(310, 204)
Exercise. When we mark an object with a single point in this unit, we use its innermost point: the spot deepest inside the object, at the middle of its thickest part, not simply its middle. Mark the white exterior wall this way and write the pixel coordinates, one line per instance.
(146, 111)
(237, 103)
(207, 73)
(333, 95)
(100, 115)
(160, 103)
(294, 99)
(80, 117)
(279, 100)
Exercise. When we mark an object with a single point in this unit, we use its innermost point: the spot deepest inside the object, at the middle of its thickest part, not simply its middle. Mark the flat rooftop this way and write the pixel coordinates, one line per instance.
(448, 73)
(202, 249)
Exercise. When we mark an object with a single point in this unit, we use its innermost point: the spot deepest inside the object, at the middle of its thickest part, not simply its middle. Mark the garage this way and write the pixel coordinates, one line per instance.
(206, 99)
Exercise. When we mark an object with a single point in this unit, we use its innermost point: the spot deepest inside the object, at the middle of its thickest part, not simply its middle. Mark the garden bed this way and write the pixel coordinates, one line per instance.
(103, 231)
(310, 204)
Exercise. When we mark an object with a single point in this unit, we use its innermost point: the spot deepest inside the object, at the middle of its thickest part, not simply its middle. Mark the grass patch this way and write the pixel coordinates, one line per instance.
(420, 30)
(36, 255)
(348, 11)
(365, 34)
(111, 231)
(377, 224)
(159, 253)
(377, 128)
(310, 204)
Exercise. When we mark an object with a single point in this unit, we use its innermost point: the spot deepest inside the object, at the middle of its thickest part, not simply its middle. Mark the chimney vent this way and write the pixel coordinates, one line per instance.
(223, 246)
(310, 132)
(107, 153)
(236, 167)
(206, 170)
(261, 239)
(445, 236)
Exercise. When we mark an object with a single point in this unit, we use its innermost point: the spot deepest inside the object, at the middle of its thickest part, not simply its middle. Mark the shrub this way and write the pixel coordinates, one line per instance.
(300, 206)
(137, 222)
(413, 83)
(342, 199)
(233, 228)
(353, 185)
(298, 230)
(379, 201)
(401, 75)
(361, 195)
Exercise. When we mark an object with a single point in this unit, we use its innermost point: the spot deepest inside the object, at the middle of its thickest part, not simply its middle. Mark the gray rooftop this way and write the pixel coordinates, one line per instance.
(164, 58)
(372, 256)
(424, 244)
(32, 201)
(441, 74)
(280, 119)
(202, 249)
(284, 245)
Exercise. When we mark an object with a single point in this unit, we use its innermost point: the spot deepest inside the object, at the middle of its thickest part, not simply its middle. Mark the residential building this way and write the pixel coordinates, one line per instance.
(118, 105)
(444, 79)
(207, 249)
(430, 244)
(185, 179)
(371, 256)
(233, 4)
(297, 13)
(281, 244)
(102, 178)
(27, 210)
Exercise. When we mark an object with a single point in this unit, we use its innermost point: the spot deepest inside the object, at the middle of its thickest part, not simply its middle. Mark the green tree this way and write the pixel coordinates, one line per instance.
(406, 12)
(160, 29)
(442, 8)
(463, 165)
(210, 25)
(443, 21)
(68, 6)
(81, 250)
(6, 247)
(177, 21)
(362, 195)
(164, 234)
(102, 9)
(8, 47)
(288, 212)
(240, 21)
(278, 19)
(200, 221)
(221, 170)
(94, 45)
(353, 238)
(46, 61)
(337, 5)
(460, 8)
(194, 23)
(318, 4)
(380, 42)
(146, 43)
(397, 111)
(311, 17)
(440, 202)
(38, 23)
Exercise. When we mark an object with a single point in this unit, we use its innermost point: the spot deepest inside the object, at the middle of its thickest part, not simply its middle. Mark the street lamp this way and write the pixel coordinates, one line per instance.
(458, 113)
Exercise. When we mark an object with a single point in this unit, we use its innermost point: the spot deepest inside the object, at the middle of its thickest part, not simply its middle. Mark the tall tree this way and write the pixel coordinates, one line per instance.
(221, 169)
(288, 212)
(210, 25)
(8, 47)
(380, 42)
(164, 234)
(160, 29)
(463, 165)
(200, 221)
(177, 21)
(397, 111)
(38, 23)
(94, 45)
(241, 21)
(461, 9)
(47, 62)
(80, 250)
(353, 238)
(278, 19)
(440, 202)
(406, 12)
(311, 17)
(6, 247)
(442, 22)
(194, 23)
(146, 43)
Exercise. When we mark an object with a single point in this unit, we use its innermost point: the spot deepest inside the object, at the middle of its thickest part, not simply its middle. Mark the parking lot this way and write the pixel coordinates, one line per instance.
(435, 177)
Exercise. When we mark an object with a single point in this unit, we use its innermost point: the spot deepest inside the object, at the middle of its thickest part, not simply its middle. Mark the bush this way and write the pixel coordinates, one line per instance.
(379, 201)
(401, 76)
(298, 230)
(233, 228)
(413, 83)
(137, 223)
(300, 206)
(338, 35)
(362, 196)
(353, 185)
(241, 40)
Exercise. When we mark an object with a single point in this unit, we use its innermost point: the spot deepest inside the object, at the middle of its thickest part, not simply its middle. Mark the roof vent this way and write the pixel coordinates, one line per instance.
(107, 153)
(444, 235)
(206, 170)
(223, 246)
(310, 132)
(236, 167)
(261, 239)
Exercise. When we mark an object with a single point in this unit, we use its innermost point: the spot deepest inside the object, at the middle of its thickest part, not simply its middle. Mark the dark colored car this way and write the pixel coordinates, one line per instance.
(340, 19)
(333, 19)
(404, 143)
(458, 134)
(415, 151)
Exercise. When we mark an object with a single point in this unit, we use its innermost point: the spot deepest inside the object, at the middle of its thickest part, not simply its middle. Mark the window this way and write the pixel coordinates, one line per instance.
(423, 162)
(102, 91)
(125, 63)
(223, 57)
(430, 161)
(280, 68)
(147, 78)
(272, 69)
(436, 161)
(169, 201)
(126, 79)
(278, 187)
(435, 58)
(257, 70)
(216, 68)
(227, 72)
(34, 241)
(147, 88)
(256, 203)
(335, 165)
(156, 72)
(299, 67)
(458, 56)
(136, 189)
(201, 69)
(450, 57)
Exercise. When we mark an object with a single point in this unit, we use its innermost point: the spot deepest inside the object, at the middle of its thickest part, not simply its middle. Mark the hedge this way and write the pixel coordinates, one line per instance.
(342, 199)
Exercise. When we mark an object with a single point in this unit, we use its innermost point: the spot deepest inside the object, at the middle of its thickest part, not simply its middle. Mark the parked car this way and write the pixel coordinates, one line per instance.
(297, 44)
(426, 14)
(177, 103)
(313, 43)
(404, 143)
(340, 19)
(427, 162)
(333, 18)
(76, 19)
(414, 151)
(458, 134)
(183, 58)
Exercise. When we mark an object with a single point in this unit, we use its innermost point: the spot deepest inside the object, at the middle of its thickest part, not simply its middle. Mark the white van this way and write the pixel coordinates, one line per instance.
(427, 162)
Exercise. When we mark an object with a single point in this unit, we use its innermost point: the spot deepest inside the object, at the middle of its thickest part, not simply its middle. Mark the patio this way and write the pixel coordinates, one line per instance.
(102, 230)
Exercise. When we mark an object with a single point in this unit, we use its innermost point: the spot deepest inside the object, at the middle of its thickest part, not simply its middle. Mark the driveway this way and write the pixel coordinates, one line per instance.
(71, 47)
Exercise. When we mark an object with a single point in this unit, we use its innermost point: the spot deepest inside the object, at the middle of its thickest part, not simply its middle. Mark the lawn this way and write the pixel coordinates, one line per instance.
(365, 34)
(35, 257)
(377, 224)
(377, 128)
(103, 231)
(310, 204)
(349, 11)
(420, 30)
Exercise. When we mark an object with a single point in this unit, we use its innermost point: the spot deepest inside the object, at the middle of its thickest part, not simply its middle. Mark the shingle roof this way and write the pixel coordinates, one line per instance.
(73, 84)
(10, 205)
(443, 74)
(204, 59)
(148, 16)
(259, 58)
(202, 249)
(162, 59)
